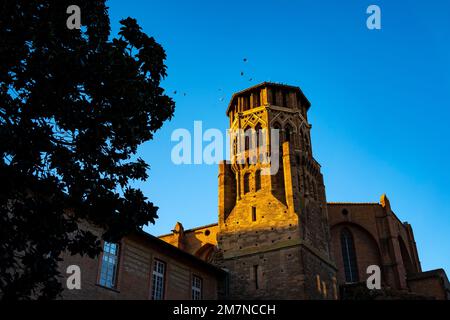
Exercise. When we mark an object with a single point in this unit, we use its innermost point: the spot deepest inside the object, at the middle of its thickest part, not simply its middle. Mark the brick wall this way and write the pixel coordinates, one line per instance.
(274, 236)
(380, 238)
(136, 258)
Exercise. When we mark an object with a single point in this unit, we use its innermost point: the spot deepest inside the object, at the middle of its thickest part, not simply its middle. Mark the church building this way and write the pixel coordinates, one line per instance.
(276, 236)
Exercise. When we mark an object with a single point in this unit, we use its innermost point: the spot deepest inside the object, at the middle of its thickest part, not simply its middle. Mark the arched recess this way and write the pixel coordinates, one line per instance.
(367, 250)
(205, 252)
(348, 253)
(276, 125)
(235, 146)
(258, 133)
(246, 182)
(288, 130)
(406, 259)
(258, 180)
(247, 136)
(274, 96)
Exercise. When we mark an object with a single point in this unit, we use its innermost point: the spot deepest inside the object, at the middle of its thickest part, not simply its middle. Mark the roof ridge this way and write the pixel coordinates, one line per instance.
(200, 227)
(356, 203)
(191, 229)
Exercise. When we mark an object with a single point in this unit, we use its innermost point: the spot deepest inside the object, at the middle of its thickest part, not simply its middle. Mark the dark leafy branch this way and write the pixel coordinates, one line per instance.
(74, 107)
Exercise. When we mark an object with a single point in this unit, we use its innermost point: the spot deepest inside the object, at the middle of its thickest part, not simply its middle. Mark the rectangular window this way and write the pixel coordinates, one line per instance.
(253, 214)
(159, 269)
(255, 274)
(196, 288)
(109, 264)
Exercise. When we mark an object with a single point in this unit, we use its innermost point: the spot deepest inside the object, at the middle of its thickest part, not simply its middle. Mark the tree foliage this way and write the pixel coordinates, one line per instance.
(74, 107)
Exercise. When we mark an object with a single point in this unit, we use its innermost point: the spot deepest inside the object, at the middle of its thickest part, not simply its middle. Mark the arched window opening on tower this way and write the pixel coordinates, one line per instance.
(246, 101)
(247, 138)
(274, 96)
(258, 133)
(253, 214)
(277, 126)
(246, 183)
(258, 180)
(287, 133)
(256, 99)
(349, 256)
(285, 99)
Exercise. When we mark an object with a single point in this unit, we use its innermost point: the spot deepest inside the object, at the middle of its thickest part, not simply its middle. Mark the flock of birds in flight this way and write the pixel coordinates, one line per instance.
(223, 97)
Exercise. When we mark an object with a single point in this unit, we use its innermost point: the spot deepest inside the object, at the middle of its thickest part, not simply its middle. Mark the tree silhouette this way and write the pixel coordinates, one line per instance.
(74, 107)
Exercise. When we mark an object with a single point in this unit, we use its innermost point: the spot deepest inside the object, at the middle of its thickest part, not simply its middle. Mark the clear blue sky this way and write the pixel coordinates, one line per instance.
(380, 99)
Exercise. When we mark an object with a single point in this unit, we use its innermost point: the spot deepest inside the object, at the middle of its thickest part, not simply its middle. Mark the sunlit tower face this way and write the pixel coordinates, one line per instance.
(271, 196)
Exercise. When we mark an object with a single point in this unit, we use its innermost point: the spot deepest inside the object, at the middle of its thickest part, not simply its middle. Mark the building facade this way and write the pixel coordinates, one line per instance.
(365, 234)
(143, 267)
(276, 236)
(276, 224)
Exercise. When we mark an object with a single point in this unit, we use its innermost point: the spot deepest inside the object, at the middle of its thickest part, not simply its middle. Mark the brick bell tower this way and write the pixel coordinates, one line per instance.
(274, 236)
